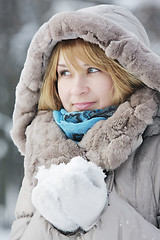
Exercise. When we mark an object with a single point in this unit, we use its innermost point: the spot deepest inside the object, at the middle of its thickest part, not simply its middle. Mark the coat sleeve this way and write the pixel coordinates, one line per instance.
(34, 227)
(24, 211)
(29, 224)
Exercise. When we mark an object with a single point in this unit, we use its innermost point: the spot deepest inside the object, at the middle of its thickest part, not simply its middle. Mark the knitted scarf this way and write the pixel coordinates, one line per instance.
(76, 124)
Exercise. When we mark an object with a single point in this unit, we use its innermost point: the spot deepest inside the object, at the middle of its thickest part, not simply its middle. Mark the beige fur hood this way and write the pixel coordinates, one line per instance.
(123, 38)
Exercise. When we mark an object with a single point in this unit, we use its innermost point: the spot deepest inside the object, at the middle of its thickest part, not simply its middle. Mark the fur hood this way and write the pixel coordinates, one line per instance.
(123, 38)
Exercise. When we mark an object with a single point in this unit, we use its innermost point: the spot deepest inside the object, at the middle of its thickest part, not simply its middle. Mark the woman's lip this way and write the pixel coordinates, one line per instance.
(83, 106)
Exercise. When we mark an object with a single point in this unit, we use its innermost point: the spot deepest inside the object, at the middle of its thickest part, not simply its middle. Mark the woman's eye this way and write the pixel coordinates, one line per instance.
(93, 70)
(65, 73)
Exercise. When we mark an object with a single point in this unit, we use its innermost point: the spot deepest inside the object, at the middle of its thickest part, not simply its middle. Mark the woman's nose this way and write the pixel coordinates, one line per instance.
(79, 85)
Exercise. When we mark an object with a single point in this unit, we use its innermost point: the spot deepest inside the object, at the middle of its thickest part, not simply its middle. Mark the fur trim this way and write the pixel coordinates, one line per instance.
(137, 59)
(47, 144)
(108, 143)
(95, 25)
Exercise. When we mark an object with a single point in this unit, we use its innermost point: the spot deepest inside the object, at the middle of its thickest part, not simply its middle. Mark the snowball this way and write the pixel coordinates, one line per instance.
(71, 195)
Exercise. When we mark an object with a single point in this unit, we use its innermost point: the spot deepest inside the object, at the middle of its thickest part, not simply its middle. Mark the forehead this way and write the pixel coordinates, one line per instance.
(72, 61)
(78, 56)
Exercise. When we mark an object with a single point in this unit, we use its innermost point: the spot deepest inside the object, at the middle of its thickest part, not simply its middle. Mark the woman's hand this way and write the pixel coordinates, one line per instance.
(72, 195)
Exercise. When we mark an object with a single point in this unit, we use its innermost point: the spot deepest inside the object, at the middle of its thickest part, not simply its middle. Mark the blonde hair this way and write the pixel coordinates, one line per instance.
(124, 83)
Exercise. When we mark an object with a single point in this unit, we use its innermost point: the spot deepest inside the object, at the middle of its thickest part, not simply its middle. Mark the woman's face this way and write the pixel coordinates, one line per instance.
(86, 89)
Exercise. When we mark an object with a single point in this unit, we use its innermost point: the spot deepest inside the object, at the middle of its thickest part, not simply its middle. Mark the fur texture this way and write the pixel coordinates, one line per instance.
(107, 143)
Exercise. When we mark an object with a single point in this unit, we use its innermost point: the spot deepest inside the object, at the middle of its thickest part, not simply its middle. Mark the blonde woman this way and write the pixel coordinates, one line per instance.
(86, 119)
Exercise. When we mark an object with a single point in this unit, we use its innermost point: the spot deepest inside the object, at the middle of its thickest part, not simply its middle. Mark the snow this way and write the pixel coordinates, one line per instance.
(72, 195)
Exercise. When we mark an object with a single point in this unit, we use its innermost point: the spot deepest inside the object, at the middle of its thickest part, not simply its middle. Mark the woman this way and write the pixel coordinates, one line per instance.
(107, 74)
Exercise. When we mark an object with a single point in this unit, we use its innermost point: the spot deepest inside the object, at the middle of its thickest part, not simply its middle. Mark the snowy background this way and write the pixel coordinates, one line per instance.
(19, 20)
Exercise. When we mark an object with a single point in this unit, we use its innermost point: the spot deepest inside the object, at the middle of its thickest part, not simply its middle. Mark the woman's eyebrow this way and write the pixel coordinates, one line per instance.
(62, 65)
(65, 66)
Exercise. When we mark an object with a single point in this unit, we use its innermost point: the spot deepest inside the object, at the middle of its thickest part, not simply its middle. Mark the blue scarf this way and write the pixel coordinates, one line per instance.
(76, 124)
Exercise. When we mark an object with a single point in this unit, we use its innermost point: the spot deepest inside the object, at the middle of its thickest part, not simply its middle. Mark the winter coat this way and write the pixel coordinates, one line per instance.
(127, 143)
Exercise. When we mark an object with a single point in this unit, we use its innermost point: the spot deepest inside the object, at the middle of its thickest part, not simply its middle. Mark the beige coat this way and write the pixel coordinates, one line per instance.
(127, 143)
